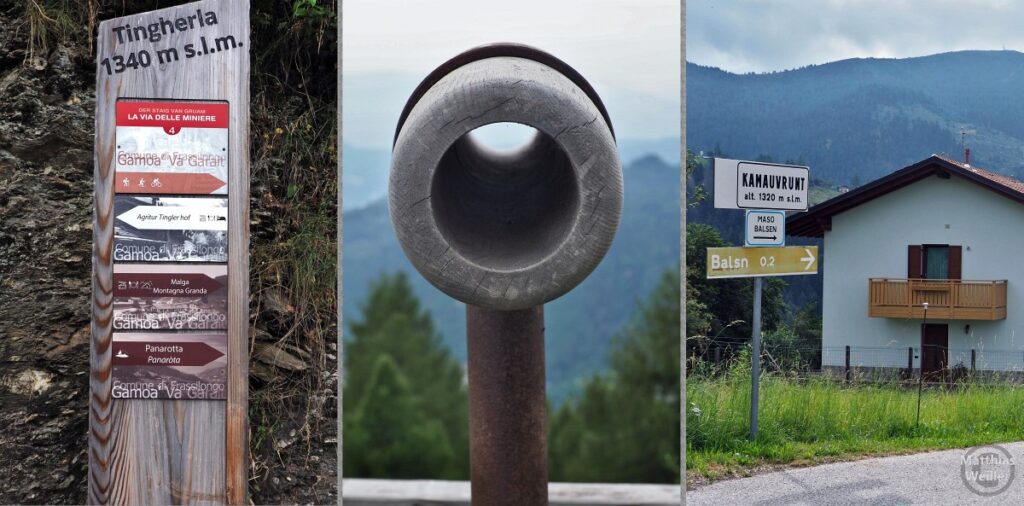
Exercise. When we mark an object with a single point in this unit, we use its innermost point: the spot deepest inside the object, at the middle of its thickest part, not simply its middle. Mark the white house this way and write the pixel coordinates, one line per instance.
(939, 232)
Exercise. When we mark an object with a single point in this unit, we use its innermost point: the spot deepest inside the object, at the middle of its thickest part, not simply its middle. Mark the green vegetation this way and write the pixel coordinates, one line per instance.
(49, 22)
(813, 420)
(819, 194)
(625, 426)
(293, 245)
(406, 408)
(405, 402)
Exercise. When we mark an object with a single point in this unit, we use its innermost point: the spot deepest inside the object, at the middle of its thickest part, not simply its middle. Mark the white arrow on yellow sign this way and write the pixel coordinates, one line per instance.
(753, 262)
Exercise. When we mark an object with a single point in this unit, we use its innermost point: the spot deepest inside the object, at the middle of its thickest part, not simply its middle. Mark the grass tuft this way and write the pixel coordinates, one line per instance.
(48, 22)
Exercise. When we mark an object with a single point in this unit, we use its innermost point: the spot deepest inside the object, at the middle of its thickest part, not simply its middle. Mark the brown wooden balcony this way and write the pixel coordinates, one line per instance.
(948, 299)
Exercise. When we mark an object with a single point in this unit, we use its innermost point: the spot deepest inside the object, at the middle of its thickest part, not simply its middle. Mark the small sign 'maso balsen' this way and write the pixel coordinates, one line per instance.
(765, 228)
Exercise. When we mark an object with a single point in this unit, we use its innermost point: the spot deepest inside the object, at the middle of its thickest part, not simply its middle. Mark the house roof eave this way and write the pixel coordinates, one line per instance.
(818, 219)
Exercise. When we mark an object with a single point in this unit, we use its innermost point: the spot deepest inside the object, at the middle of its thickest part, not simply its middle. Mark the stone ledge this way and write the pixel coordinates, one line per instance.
(374, 492)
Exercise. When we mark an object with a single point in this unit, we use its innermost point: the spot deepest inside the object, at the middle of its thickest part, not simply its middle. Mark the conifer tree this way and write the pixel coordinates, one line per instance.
(625, 425)
(394, 325)
(388, 435)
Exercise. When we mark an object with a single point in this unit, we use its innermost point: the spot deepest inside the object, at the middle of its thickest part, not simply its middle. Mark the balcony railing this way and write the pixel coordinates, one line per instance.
(948, 299)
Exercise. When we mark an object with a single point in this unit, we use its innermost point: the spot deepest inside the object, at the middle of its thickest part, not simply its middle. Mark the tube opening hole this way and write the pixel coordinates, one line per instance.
(503, 137)
(506, 204)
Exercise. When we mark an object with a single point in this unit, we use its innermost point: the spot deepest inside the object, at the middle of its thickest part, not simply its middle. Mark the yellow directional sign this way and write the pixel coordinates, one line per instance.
(754, 262)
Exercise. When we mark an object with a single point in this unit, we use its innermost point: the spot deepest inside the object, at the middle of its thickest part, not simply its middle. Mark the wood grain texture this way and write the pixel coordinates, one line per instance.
(165, 451)
(341, 275)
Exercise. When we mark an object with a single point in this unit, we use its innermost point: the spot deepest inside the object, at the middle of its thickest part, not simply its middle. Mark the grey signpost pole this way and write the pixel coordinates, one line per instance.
(920, 362)
(755, 359)
(505, 232)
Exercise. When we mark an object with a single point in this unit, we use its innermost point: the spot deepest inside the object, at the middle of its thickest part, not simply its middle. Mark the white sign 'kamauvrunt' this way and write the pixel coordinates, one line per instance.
(755, 185)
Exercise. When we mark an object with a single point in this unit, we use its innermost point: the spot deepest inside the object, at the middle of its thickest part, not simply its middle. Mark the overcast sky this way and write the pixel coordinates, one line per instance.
(629, 50)
(618, 43)
(764, 35)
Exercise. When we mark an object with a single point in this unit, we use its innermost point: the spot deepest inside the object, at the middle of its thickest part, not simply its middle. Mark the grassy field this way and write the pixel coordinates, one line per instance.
(807, 421)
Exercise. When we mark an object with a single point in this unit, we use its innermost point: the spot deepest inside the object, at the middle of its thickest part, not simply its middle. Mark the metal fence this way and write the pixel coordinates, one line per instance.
(973, 359)
(863, 363)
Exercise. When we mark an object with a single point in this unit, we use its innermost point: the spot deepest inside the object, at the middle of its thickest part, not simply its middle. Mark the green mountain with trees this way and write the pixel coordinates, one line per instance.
(624, 425)
(855, 120)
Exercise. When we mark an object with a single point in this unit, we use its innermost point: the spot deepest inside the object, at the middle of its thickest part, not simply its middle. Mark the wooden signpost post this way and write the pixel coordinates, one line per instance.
(168, 421)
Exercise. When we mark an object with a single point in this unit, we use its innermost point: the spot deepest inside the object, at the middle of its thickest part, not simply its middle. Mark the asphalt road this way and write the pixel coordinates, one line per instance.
(933, 478)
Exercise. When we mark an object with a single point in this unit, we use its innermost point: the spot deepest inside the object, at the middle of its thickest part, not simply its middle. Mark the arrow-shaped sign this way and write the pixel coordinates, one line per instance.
(168, 182)
(191, 217)
(809, 259)
(166, 353)
(734, 262)
(164, 285)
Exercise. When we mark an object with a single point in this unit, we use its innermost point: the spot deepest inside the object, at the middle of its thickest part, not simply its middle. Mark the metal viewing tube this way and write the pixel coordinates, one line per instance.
(505, 232)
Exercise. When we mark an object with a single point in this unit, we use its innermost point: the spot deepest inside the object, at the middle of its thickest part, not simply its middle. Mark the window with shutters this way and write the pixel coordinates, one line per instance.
(934, 261)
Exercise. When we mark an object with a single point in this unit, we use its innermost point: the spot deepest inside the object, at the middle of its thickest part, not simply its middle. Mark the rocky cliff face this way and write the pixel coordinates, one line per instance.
(46, 130)
(46, 177)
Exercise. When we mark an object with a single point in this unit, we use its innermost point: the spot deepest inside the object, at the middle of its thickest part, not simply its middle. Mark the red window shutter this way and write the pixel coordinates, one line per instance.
(914, 264)
(955, 261)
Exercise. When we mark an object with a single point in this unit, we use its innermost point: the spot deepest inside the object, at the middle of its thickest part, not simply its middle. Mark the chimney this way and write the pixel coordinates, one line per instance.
(967, 156)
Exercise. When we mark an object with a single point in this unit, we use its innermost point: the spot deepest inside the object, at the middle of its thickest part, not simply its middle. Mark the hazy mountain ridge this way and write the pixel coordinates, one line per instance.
(365, 170)
(644, 124)
(580, 325)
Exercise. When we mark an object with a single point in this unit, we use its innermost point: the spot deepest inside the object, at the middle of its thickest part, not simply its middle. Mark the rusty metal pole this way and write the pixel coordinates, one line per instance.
(507, 406)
